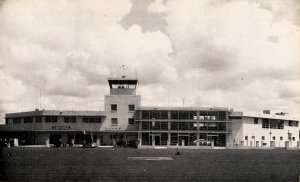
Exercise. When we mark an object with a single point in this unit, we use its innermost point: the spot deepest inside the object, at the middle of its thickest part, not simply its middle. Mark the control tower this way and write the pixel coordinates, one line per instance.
(121, 103)
(122, 86)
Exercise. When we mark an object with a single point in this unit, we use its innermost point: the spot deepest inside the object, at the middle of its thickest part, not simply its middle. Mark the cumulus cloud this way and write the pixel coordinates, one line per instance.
(235, 53)
(157, 7)
(65, 50)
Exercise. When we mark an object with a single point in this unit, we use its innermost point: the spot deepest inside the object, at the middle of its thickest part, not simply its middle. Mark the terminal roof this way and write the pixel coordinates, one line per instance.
(184, 108)
(261, 115)
(55, 113)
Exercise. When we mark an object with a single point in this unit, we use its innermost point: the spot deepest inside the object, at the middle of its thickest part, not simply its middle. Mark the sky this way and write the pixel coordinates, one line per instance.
(241, 54)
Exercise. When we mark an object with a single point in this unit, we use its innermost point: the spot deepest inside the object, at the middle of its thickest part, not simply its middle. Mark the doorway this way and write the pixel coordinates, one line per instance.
(55, 139)
(157, 139)
(183, 140)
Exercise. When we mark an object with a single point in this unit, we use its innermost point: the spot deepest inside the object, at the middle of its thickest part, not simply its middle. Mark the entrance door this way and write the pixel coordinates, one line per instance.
(157, 139)
(55, 139)
(183, 140)
(257, 143)
(272, 144)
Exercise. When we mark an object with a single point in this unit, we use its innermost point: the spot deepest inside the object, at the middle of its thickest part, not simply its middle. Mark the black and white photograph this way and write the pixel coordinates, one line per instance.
(150, 90)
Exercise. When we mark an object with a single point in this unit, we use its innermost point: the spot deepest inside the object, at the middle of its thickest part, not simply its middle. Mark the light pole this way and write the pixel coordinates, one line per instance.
(270, 137)
(289, 137)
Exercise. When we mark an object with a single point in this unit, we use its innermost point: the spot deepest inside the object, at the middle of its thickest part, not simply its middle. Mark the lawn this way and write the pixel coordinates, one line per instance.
(114, 164)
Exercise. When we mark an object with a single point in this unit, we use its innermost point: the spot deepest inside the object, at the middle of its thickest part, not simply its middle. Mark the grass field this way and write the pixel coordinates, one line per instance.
(114, 164)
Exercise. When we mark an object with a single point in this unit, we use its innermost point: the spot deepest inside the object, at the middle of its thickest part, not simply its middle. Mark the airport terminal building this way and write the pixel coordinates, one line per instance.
(124, 122)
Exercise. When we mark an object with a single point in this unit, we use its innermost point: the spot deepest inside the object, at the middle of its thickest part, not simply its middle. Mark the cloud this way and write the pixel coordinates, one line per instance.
(231, 50)
(233, 53)
(148, 20)
(67, 49)
(157, 7)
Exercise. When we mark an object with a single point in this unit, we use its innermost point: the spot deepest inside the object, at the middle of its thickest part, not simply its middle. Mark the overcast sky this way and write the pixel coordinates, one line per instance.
(234, 53)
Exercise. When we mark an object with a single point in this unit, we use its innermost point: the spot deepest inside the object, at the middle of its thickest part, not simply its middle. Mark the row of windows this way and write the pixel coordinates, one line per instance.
(114, 107)
(183, 126)
(275, 124)
(190, 115)
(114, 121)
(272, 123)
(273, 138)
(29, 119)
(294, 123)
(92, 119)
(154, 125)
(53, 119)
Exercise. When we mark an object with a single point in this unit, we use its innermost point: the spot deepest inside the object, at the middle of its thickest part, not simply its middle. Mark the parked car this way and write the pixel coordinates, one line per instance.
(203, 142)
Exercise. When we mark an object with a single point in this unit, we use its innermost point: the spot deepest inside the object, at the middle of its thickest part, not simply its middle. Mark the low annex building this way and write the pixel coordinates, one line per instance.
(124, 122)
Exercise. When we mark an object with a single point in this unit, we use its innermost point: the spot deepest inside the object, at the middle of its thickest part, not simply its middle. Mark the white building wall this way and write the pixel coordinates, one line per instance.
(255, 132)
(122, 113)
(236, 137)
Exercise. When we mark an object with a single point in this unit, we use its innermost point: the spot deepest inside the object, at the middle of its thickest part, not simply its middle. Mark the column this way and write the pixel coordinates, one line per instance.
(98, 142)
(140, 133)
(197, 138)
(169, 140)
(47, 142)
(16, 142)
(153, 140)
(139, 139)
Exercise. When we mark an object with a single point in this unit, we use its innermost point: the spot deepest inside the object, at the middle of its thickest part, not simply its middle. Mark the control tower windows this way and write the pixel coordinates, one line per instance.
(131, 107)
(114, 107)
(114, 121)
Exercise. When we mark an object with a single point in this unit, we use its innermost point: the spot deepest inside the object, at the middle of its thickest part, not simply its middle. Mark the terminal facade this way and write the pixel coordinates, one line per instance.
(124, 122)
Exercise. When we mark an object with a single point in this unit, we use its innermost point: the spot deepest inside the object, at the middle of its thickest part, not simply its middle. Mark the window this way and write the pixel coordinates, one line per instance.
(262, 137)
(164, 125)
(70, 119)
(293, 123)
(193, 126)
(51, 119)
(154, 115)
(16, 120)
(246, 137)
(174, 125)
(145, 114)
(255, 120)
(293, 138)
(164, 114)
(114, 121)
(113, 107)
(281, 138)
(131, 107)
(280, 124)
(183, 126)
(265, 123)
(174, 115)
(274, 138)
(28, 119)
(7, 120)
(222, 115)
(145, 125)
(91, 119)
(183, 115)
(235, 117)
(203, 126)
(130, 120)
(38, 119)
